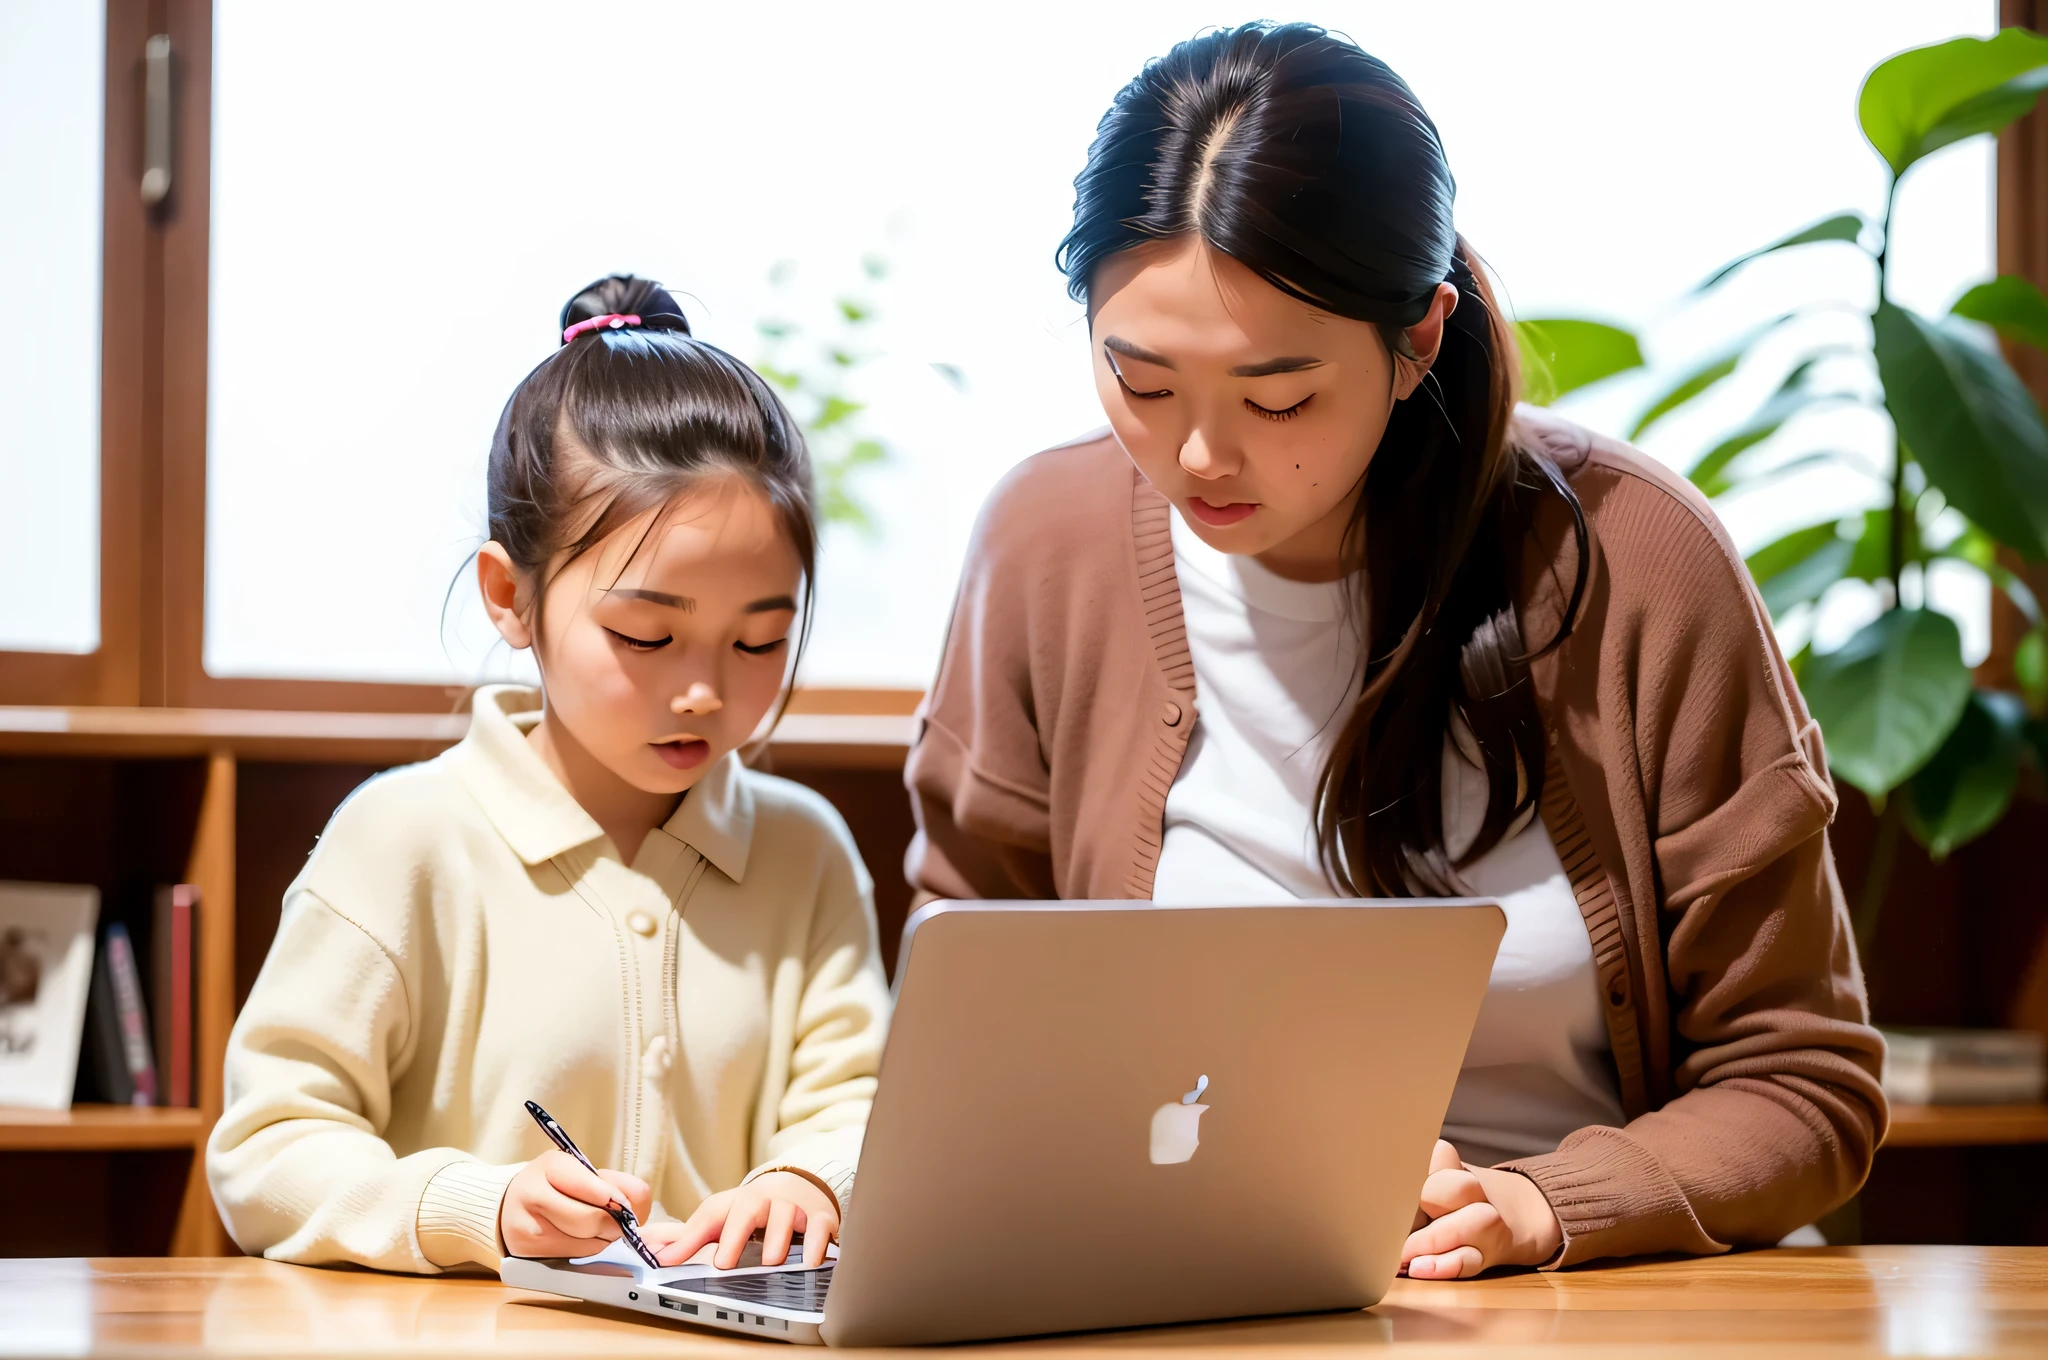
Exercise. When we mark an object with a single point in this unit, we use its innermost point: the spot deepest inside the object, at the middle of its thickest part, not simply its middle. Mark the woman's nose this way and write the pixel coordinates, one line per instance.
(1199, 457)
(700, 699)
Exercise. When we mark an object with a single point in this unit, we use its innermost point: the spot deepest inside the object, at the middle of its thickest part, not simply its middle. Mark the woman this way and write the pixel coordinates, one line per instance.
(1322, 613)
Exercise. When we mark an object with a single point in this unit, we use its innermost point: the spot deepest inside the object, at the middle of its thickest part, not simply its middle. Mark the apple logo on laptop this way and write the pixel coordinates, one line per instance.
(1177, 1128)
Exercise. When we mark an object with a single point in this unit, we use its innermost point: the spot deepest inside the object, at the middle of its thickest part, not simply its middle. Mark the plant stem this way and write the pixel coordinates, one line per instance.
(1877, 875)
(1896, 539)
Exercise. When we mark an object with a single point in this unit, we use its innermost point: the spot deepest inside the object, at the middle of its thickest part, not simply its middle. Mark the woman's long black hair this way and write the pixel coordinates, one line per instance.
(1310, 162)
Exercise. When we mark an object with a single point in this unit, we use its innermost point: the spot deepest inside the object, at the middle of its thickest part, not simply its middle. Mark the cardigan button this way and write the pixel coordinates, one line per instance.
(642, 923)
(1617, 994)
(1170, 715)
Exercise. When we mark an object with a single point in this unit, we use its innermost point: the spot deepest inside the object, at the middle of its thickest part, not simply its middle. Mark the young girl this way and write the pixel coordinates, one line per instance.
(1321, 613)
(589, 902)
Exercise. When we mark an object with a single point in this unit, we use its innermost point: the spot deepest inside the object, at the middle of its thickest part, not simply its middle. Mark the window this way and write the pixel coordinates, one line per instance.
(378, 214)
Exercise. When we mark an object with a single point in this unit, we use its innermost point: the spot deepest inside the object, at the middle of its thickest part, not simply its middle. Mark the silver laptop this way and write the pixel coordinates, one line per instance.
(1162, 1114)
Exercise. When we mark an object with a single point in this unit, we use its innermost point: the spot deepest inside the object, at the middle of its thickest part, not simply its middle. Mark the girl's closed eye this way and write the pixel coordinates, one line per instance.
(761, 648)
(637, 644)
(1125, 383)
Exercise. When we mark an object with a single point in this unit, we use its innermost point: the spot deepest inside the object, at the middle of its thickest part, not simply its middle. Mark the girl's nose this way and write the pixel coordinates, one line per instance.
(701, 700)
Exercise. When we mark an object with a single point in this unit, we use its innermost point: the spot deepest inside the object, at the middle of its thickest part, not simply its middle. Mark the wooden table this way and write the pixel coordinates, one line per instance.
(1825, 1302)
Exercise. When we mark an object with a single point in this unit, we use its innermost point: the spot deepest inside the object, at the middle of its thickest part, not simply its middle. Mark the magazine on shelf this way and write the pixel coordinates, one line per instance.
(46, 966)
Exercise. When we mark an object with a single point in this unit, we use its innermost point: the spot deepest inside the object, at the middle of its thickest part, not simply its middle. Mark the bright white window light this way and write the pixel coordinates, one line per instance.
(52, 102)
(405, 193)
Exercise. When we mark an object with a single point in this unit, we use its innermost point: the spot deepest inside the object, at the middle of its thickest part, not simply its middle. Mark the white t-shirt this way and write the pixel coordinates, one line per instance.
(1276, 663)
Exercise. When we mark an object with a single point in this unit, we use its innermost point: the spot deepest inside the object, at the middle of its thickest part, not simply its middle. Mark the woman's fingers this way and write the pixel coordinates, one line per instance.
(775, 1237)
(1456, 1264)
(1446, 1191)
(1476, 1226)
(1444, 1157)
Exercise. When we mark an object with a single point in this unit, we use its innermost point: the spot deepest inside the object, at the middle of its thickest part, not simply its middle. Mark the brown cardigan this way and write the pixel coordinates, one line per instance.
(1691, 815)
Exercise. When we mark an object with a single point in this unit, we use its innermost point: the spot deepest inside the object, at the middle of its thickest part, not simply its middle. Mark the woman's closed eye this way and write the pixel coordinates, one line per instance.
(634, 644)
(1125, 383)
(760, 648)
(1285, 413)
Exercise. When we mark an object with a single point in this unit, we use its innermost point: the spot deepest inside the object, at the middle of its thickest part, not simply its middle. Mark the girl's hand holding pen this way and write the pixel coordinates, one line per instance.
(556, 1206)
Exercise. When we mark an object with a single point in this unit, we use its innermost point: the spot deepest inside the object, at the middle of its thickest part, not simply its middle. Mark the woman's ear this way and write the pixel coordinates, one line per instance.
(499, 582)
(1425, 338)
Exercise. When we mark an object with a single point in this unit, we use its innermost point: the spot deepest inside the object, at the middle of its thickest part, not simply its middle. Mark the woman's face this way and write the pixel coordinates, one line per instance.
(1253, 412)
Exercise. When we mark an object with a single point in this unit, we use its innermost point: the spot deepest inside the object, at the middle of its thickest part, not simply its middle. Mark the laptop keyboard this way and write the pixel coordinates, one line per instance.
(801, 1290)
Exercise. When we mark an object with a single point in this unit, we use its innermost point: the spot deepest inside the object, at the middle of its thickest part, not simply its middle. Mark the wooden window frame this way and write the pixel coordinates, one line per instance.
(153, 400)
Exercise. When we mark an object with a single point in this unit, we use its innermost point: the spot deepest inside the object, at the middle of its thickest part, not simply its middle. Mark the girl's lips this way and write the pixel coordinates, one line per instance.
(1221, 515)
(684, 755)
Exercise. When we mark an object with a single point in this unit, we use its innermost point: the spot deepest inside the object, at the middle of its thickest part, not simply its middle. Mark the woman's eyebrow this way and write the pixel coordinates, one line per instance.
(771, 604)
(1116, 344)
(682, 602)
(1291, 364)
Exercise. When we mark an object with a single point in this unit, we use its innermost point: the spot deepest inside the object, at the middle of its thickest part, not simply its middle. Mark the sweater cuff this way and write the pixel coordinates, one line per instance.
(1613, 1198)
(458, 1214)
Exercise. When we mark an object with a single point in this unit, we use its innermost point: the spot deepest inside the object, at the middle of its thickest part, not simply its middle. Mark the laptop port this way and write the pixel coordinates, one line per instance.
(677, 1305)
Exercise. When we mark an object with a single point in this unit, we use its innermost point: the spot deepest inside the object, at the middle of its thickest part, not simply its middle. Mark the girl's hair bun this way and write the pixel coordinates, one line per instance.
(626, 295)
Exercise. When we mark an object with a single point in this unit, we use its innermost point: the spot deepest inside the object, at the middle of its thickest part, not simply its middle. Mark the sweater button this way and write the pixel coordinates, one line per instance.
(1170, 715)
(658, 1056)
(642, 923)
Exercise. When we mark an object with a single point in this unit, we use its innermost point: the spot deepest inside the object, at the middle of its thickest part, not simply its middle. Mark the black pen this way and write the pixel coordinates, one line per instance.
(629, 1226)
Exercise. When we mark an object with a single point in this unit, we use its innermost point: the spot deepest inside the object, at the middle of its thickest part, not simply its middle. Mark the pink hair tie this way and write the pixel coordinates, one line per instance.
(613, 320)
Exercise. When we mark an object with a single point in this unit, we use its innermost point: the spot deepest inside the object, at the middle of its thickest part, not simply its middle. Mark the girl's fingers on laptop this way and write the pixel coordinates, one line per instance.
(775, 1237)
(820, 1227)
(1456, 1264)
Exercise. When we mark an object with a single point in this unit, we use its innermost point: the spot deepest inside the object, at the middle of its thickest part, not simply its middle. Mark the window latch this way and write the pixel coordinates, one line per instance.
(156, 120)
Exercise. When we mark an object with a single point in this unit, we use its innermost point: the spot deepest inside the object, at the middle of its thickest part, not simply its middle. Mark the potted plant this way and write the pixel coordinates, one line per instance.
(1938, 756)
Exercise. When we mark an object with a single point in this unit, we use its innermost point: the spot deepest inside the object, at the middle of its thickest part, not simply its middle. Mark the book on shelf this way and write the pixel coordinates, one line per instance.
(46, 969)
(1965, 1066)
(123, 1067)
(173, 938)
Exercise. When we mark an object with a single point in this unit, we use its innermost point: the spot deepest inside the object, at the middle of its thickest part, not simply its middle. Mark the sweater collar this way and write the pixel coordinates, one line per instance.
(539, 818)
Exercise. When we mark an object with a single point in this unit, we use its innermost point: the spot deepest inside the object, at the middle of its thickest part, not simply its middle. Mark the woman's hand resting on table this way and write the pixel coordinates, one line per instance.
(776, 1204)
(1473, 1217)
(556, 1207)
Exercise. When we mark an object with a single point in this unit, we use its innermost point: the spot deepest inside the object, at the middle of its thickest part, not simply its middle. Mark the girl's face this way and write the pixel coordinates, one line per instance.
(1254, 413)
(662, 648)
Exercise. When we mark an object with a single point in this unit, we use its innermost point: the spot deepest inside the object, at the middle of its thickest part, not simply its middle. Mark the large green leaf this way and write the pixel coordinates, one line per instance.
(1927, 97)
(1888, 697)
(1563, 354)
(1713, 473)
(1975, 430)
(1962, 792)
(2012, 306)
(1841, 227)
(1800, 566)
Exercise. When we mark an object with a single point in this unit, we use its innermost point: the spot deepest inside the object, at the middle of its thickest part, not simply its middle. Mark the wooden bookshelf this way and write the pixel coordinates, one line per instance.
(803, 739)
(1966, 1125)
(128, 797)
(99, 1128)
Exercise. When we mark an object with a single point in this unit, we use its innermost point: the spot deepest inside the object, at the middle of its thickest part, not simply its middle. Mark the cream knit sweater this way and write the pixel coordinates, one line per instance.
(465, 938)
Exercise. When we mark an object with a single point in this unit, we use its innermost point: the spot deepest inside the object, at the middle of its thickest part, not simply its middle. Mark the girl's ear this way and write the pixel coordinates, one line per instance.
(1425, 338)
(499, 582)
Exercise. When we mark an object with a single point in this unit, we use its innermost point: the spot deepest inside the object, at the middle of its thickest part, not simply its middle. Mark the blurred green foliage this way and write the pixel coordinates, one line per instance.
(1897, 707)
